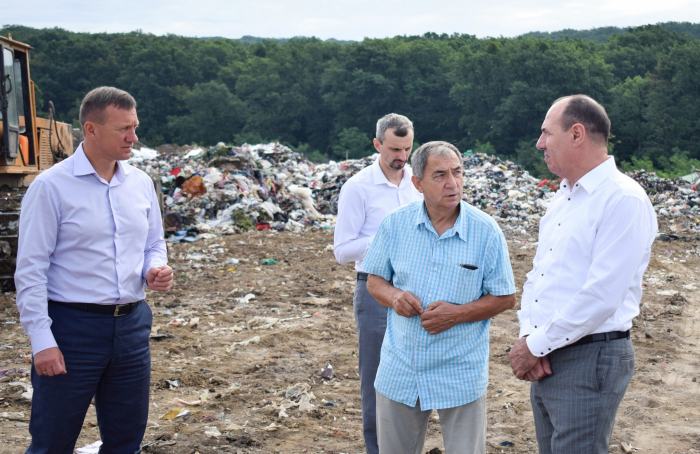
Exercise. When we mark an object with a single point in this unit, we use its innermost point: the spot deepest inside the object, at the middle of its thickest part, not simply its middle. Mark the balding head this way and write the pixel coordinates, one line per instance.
(588, 112)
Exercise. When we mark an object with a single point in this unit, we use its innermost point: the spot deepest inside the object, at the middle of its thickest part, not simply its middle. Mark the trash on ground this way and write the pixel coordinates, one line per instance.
(92, 448)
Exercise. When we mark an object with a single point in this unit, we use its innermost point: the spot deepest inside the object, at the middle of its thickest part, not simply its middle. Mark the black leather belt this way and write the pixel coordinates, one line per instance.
(116, 310)
(599, 337)
(362, 276)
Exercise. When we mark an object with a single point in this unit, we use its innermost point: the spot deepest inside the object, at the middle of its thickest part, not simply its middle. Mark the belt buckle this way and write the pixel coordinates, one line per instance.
(116, 310)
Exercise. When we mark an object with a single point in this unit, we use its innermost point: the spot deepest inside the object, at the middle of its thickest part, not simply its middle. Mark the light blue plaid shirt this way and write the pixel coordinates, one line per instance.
(451, 368)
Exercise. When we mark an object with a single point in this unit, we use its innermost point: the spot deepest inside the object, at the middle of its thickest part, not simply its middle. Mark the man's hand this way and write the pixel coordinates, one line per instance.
(406, 304)
(521, 359)
(440, 316)
(160, 278)
(49, 362)
(540, 370)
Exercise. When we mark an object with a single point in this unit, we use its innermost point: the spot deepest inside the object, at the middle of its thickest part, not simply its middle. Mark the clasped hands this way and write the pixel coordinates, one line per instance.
(527, 366)
(439, 316)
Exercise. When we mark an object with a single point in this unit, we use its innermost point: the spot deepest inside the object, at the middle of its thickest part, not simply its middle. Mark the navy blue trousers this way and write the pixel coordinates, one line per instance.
(370, 318)
(107, 358)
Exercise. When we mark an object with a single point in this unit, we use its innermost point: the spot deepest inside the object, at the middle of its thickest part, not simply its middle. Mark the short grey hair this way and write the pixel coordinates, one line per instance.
(419, 159)
(94, 104)
(400, 124)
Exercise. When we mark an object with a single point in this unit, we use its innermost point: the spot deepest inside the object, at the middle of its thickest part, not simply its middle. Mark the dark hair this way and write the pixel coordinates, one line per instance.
(94, 104)
(400, 124)
(587, 111)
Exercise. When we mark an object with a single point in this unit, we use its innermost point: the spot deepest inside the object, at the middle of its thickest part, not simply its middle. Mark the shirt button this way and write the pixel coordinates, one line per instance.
(120, 286)
(116, 235)
(419, 373)
(550, 349)
(430, 295)
(536, 300)
(541, 353)
(559, 225)
(535, 326)
(434, 269)
(119, 261)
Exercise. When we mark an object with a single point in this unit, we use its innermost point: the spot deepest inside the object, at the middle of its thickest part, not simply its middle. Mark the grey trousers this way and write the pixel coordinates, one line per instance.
(575, 407)
(370, 318)
(402, 428)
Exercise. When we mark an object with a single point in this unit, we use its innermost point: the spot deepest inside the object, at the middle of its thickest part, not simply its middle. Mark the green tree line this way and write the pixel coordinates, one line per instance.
(324, 97)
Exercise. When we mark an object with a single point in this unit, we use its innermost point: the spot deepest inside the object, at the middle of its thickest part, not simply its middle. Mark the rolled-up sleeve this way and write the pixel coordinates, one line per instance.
(38, 229)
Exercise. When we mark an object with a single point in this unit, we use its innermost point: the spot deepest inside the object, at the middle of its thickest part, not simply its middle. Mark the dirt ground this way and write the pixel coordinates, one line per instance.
(247, 392)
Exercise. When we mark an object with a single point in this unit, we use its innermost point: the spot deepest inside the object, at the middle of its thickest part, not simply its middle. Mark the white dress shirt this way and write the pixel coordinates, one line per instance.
(84, 240)
(365, 200)
(594, 246)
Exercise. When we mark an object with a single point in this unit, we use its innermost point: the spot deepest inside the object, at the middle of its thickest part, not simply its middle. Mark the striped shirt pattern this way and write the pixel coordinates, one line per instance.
(448, 369)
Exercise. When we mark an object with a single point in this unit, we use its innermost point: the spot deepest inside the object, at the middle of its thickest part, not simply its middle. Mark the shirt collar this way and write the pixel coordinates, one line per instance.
(82, 166)
(594, 177)
(459, 229)
(378, 176)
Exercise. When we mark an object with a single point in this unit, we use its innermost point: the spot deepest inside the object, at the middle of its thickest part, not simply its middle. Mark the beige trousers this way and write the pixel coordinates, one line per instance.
(401, 429)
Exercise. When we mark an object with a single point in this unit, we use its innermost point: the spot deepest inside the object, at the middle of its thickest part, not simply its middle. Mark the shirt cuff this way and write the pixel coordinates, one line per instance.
(42, 340)
(539, 344)
(525, 325)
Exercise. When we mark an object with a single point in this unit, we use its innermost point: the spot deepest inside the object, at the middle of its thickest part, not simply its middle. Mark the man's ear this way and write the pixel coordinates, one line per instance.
(376, 144)
(578, 134)
(417, 183)
(89, 129)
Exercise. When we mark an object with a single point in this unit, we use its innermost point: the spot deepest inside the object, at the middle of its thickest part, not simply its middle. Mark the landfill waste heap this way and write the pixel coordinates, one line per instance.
(227, 190)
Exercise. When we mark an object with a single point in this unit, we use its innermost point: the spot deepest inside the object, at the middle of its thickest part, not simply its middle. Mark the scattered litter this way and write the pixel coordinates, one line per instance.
(13, 416)
(667, 292)
(252, 340)
(261, 322)
(183, 403)
(177, 413)
(314, 301)
(242, 301)
(327, 372)
(211, 432)
(172, 384)
(269, 262)
(28, 390)
(92, 448)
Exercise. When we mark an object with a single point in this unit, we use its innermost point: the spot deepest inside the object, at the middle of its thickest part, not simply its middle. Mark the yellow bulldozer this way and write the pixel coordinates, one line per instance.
(28, 145)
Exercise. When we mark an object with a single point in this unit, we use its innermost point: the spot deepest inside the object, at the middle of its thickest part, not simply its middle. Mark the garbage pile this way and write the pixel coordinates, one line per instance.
(670, 197)
(229, 189)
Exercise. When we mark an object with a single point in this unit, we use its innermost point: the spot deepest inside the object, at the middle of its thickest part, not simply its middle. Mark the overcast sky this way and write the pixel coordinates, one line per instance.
(346, 20)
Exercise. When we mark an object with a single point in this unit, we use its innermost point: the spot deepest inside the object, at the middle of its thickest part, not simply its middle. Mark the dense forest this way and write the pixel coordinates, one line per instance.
(324, 97)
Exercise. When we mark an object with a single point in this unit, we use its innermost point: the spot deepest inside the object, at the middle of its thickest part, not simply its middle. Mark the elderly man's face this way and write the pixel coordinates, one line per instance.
(555, 141)
(395, 150)
(442, 181)
(118, 133)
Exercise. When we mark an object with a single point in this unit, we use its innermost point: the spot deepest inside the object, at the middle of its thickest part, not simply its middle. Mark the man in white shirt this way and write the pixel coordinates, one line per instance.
(585, 286)
(90, 237)
(365, 200)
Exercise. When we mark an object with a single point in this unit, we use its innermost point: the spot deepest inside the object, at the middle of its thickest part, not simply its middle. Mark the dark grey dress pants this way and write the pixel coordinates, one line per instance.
(370, 318)
(575, 407)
